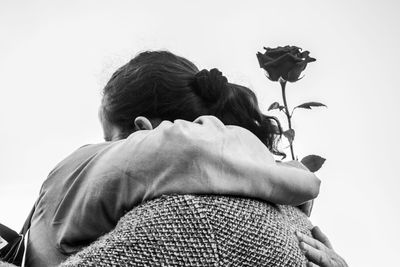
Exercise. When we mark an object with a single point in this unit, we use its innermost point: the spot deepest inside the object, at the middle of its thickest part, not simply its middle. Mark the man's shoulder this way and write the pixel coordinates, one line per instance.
(84, 152)
(76, 159)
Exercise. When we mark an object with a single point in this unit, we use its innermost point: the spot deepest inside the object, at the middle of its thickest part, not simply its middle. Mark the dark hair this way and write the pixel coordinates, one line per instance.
(159, 84)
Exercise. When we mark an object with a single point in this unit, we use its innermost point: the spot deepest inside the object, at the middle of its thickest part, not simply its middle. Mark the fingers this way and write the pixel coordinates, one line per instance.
(316, 256)
(319, 250)
(317, 234)
(310, 241)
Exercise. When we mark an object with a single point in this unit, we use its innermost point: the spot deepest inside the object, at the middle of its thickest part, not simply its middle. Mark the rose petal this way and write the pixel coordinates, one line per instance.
(275, 54)
(287, 62)
(295, 73)
(304, 54)
(282, 66)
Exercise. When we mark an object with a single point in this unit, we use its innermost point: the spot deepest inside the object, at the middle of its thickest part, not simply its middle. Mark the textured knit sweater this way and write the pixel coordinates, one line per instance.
(192, 230)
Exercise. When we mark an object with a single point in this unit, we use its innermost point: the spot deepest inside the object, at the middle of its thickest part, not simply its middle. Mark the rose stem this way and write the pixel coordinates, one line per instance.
(283, 86)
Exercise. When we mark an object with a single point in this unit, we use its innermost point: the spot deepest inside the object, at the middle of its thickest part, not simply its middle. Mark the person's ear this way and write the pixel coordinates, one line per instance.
(142, 123)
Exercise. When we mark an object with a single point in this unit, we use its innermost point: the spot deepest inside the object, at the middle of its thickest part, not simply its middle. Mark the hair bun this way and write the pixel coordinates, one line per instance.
(210, 85)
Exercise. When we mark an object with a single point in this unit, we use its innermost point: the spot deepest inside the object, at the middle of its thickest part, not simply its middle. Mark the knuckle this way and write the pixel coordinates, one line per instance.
(324, 260)
(321, 258)
(328, 262)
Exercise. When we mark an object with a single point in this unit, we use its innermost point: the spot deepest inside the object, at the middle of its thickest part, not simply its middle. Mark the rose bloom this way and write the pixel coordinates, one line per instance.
(284, 62)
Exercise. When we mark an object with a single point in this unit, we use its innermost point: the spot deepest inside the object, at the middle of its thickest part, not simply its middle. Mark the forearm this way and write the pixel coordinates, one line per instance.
(206, 158)
(272, 182)
(291, 185)
(247, 166)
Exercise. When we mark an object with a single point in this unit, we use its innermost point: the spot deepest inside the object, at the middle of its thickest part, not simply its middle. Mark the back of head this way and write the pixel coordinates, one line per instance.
(159, 84)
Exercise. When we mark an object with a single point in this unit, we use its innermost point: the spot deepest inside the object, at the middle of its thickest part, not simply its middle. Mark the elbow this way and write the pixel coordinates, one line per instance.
(310, 191)
(293, 186)
(315, 185)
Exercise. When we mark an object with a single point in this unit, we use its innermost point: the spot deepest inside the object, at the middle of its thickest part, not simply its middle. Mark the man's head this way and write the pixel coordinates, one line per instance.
(159, 85)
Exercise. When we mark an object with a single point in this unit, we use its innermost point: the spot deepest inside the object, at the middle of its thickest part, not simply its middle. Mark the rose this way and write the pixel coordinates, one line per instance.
(284, 62)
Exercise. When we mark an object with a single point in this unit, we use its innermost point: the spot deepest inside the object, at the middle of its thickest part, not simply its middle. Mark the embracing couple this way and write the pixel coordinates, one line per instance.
(176, 134)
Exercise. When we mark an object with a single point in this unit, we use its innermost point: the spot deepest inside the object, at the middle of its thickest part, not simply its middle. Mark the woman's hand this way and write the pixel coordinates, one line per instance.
(319, 251)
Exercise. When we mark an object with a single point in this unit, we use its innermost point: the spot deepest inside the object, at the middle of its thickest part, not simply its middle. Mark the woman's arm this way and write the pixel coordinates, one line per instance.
(297, 178)
(237, 162)
(208, 157)
(286, 185)
(205, 157)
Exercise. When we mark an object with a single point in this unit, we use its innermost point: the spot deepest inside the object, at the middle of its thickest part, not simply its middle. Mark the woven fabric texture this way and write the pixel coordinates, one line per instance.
(188, 230)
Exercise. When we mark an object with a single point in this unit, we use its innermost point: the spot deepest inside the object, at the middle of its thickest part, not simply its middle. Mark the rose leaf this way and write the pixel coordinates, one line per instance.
(289, 134)
(308, 105)
(274, 105)
(313, 162)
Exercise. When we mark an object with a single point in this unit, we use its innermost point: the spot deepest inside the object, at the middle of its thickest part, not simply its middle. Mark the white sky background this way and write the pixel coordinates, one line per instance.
(55, 57)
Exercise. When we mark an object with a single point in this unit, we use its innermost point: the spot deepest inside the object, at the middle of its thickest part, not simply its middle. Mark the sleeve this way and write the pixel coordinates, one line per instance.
(204, 157)
(229, 160)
